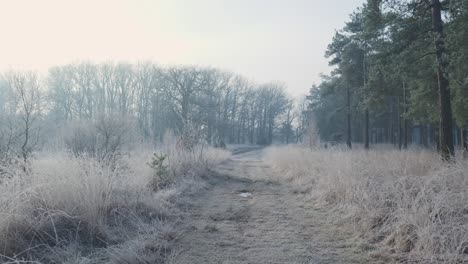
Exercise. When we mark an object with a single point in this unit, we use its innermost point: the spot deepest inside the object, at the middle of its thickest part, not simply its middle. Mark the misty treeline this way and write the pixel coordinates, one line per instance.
(401, 72)
(95, 105)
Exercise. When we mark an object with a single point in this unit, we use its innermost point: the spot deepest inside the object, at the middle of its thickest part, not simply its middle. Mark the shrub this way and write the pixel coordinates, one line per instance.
(192, 160)
(162, 177)
(105, 138)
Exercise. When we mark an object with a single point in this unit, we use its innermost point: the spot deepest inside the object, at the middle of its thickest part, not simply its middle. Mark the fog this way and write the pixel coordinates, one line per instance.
(262, 40)
(249, 131)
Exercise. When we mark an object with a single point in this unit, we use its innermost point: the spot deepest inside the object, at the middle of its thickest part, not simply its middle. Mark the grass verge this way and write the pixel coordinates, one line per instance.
(75, 209)
(409, 204)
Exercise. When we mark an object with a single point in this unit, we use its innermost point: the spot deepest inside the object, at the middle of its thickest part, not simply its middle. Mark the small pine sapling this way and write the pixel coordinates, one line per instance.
(162, 176)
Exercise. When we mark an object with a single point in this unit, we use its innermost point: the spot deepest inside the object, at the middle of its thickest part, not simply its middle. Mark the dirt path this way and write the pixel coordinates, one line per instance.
(274, 225)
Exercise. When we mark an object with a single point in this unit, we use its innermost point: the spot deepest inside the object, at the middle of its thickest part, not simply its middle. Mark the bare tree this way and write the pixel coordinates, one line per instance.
(221, 106)
(26, 105)
(289, 117)
(182, 83)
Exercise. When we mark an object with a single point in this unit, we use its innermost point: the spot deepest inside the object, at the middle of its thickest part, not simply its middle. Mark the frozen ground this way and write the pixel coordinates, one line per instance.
(247, 216)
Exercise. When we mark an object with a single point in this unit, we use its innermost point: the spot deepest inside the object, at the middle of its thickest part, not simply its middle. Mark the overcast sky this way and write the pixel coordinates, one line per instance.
(264, 40)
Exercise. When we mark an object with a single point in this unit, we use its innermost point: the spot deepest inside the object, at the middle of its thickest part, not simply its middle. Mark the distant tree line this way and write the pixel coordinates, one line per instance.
(399, 65)
(221, 107)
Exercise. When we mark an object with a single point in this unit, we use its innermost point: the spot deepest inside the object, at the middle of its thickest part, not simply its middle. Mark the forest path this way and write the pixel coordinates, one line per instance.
(276, 224)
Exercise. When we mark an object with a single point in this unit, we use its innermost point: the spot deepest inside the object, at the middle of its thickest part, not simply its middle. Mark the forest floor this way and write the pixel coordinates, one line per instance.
(248, 216)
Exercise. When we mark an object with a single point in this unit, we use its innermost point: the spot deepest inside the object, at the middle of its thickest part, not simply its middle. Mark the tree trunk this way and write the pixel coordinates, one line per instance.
(252, 131)
(366, 129)
(464, 141)
(348, 99)
(392, 125)
(437, 138)
(288, 127)
(392, 121)
(400, 128)
(185, 106)
(445, 127)
(405, 120)
(424, 135)
(406, 133)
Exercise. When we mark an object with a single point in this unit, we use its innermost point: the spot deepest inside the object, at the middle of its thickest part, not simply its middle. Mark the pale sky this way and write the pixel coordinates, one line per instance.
(264, 40)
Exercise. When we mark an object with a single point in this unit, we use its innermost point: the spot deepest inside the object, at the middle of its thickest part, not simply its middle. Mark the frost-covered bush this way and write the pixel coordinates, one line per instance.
(74, 208)
(105, 138)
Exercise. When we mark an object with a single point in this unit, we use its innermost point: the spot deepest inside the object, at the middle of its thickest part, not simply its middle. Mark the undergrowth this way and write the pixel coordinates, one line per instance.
(69, 208)
(409, 204)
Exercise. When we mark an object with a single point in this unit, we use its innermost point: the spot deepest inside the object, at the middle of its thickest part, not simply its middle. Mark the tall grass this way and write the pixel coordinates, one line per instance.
(408, 203)
(70, 208)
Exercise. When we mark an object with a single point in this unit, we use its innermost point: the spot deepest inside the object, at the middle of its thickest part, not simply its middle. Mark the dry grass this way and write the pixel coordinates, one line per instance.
(409, 203)
(75, 209)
